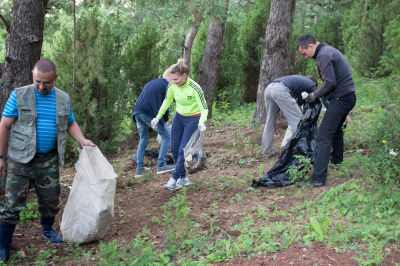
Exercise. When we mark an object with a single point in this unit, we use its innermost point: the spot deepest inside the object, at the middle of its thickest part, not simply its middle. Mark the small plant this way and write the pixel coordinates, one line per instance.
(236, 199)
(299, 172)
(261, 212)
(155, 220)
(76, 251)
(318, 230)
(261, 171)
(238, 141)
(375, 255)
(44, 256)
(29, 213)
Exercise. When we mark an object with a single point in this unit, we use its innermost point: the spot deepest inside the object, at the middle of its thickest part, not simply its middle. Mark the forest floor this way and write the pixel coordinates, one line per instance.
(219, 199)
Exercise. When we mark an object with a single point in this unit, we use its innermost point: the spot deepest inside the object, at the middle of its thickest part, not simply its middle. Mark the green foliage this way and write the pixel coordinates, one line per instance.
(321, 19)
(374, 256)
(98, 98)
(76, 251)
(299, 172)
(5, 11)
(239, 116)
(176, 219)
(3, 36)
(196, 57)
(141, 252)
(141, 64)
(253, 28)
(29, 213)
(363, 33)
(319, 228)
(170, 46)
(328, 30)
(375, 125)
(227, 86)
(390, 60)
(44, 256)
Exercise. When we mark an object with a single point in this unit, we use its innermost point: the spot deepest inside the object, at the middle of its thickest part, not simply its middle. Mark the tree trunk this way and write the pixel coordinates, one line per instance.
(188, 46)
(197, 18)
(23, 48)
(275, 52)
(212, 55)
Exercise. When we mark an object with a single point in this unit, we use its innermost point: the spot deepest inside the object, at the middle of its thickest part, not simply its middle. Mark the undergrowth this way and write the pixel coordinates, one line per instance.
(360, 213)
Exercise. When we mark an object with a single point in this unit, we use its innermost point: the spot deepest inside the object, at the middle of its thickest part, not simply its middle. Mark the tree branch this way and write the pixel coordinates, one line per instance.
(262, 42)
(5, 23)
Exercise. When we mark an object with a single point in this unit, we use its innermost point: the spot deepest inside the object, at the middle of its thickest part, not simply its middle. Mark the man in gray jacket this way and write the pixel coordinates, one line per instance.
(38, 116)
(284, 93)
(339, 90)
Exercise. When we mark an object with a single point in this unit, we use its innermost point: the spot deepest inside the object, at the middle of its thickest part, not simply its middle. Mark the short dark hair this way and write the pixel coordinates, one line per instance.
(305, 40)
(45, 65)
(314, 79)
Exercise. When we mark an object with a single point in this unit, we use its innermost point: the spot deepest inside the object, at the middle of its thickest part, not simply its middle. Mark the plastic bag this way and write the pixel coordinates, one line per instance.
(90, 207)
(194, 153)
(301, 143)
(287, 137)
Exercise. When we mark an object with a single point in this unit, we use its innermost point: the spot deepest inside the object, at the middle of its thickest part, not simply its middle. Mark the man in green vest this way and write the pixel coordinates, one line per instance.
(38, 117)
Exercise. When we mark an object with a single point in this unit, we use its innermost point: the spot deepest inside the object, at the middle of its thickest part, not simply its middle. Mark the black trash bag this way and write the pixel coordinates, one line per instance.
(194, 153)
(303, 142)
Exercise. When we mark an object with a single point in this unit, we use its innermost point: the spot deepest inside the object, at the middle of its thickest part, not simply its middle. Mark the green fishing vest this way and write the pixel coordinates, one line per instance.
(22, 144)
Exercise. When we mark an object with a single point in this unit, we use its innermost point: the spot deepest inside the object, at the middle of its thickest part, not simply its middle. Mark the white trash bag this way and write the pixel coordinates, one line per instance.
(194, 153)
(90, 207)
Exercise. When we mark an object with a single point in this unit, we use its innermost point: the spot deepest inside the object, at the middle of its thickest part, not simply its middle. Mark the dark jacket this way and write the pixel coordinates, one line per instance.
(151, 99)
(334, 71)
(296, 85)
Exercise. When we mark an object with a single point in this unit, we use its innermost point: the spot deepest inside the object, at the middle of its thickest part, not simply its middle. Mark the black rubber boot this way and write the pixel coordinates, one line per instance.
(47, 230)
(6, 233)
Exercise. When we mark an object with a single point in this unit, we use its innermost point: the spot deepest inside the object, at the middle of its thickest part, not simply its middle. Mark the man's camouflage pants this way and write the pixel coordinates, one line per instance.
(43, 172)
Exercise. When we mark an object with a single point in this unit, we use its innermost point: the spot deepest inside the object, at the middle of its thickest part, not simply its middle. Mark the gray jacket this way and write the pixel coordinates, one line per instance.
(22, 144)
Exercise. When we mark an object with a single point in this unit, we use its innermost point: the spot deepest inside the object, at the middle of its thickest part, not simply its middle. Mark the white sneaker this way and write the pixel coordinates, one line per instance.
(184, 181)
(172, 184)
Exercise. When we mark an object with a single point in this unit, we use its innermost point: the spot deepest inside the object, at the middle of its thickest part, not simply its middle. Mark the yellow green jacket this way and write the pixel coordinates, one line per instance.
(189, 100)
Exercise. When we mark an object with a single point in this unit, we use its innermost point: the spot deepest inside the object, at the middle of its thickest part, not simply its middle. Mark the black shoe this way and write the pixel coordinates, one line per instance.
(312, 183)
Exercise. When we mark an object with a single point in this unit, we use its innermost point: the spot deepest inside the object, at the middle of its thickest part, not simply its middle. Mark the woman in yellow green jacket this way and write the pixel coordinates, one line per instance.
(191, 114)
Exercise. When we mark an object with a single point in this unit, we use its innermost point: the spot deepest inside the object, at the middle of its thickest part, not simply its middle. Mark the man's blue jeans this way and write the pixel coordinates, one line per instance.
(143, 122)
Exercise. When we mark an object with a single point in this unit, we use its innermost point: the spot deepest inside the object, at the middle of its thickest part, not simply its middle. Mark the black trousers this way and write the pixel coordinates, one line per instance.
(330, 135)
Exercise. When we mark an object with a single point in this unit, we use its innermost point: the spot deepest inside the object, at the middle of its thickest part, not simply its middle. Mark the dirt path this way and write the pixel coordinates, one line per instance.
(219, 199)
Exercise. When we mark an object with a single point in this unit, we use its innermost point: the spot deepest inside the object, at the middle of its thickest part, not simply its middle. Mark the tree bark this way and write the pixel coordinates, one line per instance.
(188, 46)
(197, 18)
(23, 49)
(1, 70)
(212, 55)
(275, 52)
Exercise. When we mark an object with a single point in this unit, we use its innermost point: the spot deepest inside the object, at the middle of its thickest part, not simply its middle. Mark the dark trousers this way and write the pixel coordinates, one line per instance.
(330, 135)
(181, 131)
